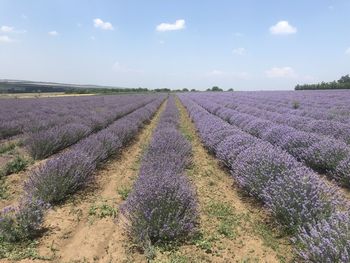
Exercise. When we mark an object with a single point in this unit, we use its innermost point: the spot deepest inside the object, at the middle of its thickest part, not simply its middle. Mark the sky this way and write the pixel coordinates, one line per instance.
(244, 45)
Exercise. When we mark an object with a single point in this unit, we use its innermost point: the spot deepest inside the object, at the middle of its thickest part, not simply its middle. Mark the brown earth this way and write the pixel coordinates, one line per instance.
(85, 229)
(233, 228)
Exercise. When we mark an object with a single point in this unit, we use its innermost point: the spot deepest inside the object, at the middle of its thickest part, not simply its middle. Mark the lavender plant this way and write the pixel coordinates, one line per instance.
(60, 177)
(301, 199)
(326, 241)
(22, 222)
(162, 206)
(259, 165)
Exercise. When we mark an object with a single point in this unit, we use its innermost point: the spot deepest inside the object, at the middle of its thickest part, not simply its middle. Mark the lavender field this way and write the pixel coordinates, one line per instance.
(186, 177)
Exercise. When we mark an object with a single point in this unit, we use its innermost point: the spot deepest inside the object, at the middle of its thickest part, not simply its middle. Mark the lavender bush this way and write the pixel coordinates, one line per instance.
(299, 200)
(326, 155)
(257, 166)
(22, 222)
(342, 172)
(162, 206)
(60, 177)
(326, 241)
(45, 143)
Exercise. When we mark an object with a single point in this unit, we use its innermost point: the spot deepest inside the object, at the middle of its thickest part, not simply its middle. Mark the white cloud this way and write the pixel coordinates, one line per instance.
(99, 23)
(53, 33)
(10, 29)
(178, 25)
(283, 72)
(239, 51)
(6, 39)
(347, 51)
(283, 28)
(6, 29)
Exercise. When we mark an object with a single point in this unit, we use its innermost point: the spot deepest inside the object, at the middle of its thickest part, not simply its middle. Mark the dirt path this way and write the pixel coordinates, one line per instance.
(84, 229)
(233, 229)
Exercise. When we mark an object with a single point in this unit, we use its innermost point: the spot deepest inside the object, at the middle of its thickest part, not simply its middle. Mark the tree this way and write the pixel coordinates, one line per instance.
(216, 88)
(231, 89)
(185, 90)
(193, 90)
(344, 79)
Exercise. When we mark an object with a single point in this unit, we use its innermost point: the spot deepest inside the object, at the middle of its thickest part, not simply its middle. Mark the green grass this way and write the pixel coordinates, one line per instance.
(6, 147)
(18, 251)
(124, 192)
(228, 219)
(102, 211)
(3, 189)
(14, 166)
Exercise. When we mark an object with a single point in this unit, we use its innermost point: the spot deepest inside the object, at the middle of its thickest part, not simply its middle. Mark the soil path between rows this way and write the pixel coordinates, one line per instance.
(233, 228)
(77, 231)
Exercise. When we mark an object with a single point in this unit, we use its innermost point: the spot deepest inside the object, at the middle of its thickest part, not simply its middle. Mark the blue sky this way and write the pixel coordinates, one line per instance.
(245, 45)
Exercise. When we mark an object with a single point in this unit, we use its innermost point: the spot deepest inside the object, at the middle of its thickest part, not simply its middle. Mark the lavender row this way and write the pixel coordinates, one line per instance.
(325, 127)
(297, 198)
(44, 143)
(162, 206)
(323, 154)
(73, 169)
(33, 115)
(337, 130)
(323, 101)
(67, 173)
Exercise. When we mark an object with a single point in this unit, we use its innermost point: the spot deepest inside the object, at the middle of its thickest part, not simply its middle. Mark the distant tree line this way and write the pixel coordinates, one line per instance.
(30, 88)
(342, 83)
(106, 90)
(37, 88)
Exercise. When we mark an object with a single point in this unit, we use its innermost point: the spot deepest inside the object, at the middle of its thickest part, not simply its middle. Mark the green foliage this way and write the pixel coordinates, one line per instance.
(124, 192)
(216, 88)
(295, 105)
(18, 251)
(102, 211)
(3, 189)
(6, 147)
(342, 83)
(16, 165)
(228, 219)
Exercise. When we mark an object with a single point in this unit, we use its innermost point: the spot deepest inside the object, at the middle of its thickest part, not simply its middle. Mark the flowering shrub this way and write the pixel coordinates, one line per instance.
(299, 200)
(60, 177)
(257, 166)
(45, 143)
(228, 149)
(162, 206)
(297, 143)
(22, 222)
(342, 172)
(326, 155)
(326, 241)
